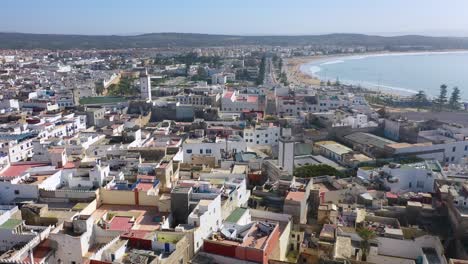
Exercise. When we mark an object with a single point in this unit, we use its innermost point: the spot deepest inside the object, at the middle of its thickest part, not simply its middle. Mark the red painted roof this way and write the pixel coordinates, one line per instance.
(228, 94)
(391, 195)
(252, 99)
(121, 223)
(141, 234)
(69, 165)
(40, 252)
(18, 169)
(295, 196)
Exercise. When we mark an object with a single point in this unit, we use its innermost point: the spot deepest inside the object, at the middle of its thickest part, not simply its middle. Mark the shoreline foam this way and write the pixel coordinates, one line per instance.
(312, 68)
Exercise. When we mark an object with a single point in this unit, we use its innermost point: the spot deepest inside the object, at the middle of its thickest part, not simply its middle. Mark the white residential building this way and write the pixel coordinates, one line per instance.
(414, 177)
(206, 217)
(217, 148)
(233, 101)
(262, 135)
(145, 87)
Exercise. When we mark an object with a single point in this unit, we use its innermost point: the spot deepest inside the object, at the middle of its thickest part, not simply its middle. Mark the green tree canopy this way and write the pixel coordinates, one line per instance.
(366, 235)
(454, 101)
(442, 99)
(420, 99)
(308, 171)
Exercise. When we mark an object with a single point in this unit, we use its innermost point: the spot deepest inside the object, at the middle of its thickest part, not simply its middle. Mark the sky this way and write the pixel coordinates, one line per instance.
(239, 17)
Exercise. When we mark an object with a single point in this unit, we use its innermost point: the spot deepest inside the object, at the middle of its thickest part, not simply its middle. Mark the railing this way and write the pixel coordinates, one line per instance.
(98, 254)
(29, 246)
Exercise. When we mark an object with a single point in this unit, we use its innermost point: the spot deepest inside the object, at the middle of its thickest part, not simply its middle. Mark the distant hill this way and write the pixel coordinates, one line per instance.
(155, 40)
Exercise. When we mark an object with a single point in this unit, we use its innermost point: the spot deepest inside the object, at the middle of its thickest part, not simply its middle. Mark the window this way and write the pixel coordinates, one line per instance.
(208, 151)
(454, 148)
(466, 148)
(17, 192)
(201, 151)
(452, 159)
(189, 151)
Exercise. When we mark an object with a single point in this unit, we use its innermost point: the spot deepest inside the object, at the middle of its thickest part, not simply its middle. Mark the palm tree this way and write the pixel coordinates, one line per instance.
(366, 235)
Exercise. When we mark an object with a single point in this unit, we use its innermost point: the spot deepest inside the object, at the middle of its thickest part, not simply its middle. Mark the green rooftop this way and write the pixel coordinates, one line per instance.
(101, 100)
(236, 215)
(11, 224)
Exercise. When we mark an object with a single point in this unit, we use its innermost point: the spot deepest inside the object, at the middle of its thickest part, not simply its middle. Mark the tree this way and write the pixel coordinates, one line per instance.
(308, 171)
(201, 75)
(366, 235)
(454, 101)
(442, 99)
(124, 88)
(261, 72)
(337, 82)
(420, 99)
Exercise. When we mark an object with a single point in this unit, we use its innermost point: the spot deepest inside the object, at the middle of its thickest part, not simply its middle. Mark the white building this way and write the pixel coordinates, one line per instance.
(414, 177)
(355, 121)
(206, 217)
(450, 152)
(286, 151)
(233, 101)
(17, 147)
(262, 135)
(145, 87)
(218, 78)
(218, 148)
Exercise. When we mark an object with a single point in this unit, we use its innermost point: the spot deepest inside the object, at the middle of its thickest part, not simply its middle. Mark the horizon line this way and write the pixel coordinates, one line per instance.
(390, 35)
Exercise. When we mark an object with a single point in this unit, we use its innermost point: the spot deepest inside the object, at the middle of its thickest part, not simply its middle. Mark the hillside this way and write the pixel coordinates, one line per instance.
(155, 40)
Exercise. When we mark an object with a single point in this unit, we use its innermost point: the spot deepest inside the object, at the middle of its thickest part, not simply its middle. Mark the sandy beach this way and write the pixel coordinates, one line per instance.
(298, 77)
(294, 73)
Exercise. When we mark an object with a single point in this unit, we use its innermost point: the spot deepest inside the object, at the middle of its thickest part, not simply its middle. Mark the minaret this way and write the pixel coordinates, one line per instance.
(286, 151)
(145, 86)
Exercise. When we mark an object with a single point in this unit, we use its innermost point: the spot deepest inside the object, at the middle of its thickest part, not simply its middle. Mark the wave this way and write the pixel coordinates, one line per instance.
(375, 86)
(311, 70)
(333, 62)
(390, 54)
(316, 69)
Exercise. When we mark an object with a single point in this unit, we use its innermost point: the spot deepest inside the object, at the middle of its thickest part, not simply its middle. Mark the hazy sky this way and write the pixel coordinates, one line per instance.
(246, 17)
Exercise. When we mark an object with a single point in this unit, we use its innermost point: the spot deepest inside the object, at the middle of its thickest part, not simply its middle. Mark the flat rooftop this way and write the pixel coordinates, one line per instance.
(20, 168)
(146, 217)
(334, 147)
(236, 215)
(369, 139)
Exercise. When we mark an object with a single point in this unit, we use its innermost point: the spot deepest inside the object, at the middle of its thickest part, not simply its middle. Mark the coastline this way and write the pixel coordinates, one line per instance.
(294, 73)
(299, 76)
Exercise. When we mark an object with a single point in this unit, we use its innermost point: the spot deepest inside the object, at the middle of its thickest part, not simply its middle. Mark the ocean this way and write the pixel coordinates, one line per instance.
(403, 73)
